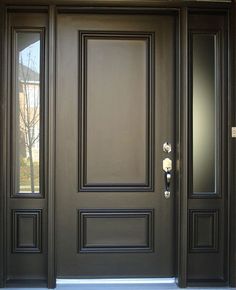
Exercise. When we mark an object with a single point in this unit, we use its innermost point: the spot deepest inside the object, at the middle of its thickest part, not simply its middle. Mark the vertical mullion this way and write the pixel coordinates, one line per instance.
(183, 154)
(51, 279)
(231, 154)
(3, 116)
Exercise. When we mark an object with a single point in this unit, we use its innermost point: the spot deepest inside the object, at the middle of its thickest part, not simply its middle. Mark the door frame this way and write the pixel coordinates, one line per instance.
(181, 8)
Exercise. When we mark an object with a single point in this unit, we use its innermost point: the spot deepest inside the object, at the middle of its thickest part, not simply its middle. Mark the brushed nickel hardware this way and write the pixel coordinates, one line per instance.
(167, 167)
(167, 147)
(167, 194)
(233, 132)
(167, 164)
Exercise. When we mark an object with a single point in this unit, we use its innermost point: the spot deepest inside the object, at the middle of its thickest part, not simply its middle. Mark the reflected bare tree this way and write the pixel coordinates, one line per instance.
(29, 111)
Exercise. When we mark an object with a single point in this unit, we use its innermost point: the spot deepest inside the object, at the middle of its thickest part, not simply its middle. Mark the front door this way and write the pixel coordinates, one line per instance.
(114, 111)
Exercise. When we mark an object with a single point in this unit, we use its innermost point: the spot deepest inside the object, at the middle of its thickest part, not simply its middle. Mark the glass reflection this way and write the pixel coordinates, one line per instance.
(28, 112)
(204, 113)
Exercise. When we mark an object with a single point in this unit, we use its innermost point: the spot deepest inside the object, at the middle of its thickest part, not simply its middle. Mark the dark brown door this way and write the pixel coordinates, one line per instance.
(114, 110)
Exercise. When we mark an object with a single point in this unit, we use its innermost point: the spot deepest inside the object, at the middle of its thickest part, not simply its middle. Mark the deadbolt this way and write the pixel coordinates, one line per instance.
(167, 147)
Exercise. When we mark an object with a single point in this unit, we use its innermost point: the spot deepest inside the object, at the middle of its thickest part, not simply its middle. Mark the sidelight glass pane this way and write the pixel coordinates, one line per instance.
(204, 113)
(27, 103)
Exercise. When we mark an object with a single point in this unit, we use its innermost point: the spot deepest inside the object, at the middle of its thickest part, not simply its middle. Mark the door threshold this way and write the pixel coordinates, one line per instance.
(117, 281)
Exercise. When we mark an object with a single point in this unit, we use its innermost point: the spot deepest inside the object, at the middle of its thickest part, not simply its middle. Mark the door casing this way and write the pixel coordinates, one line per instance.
(182, 139)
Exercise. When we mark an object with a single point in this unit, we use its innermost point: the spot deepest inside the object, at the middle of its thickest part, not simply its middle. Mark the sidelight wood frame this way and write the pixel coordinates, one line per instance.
(181, 9)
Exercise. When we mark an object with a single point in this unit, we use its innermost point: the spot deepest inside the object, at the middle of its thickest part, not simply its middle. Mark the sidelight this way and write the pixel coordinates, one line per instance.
(26, 117)
(205, 113)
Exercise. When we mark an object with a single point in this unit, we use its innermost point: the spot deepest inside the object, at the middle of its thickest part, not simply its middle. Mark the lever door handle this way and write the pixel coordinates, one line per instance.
(167, 167)
(167, 180)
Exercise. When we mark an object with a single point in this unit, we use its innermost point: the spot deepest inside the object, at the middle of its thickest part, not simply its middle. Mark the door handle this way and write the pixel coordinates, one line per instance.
(167, 180)
(167, 167)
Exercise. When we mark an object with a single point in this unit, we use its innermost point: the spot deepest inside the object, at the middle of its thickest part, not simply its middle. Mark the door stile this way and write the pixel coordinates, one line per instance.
(231, 155)
(3, 138)
(183, 149)
(51, 263)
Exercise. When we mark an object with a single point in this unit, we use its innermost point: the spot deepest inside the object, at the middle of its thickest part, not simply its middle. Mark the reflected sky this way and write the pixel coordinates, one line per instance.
(31, 52)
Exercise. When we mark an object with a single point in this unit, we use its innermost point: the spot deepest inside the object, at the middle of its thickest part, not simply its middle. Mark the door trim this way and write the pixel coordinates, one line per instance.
(51, 265)
(231, 144)
(182, 134)
(182, 141)
(3, 151)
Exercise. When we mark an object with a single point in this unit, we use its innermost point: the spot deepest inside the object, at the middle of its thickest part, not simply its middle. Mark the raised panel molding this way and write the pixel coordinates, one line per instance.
(27, 231)
(115, 230)
(204, 231)
(123, 185)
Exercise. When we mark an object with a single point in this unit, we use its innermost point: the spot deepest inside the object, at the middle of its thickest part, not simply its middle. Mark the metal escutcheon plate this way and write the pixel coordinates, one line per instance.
(167, 164)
